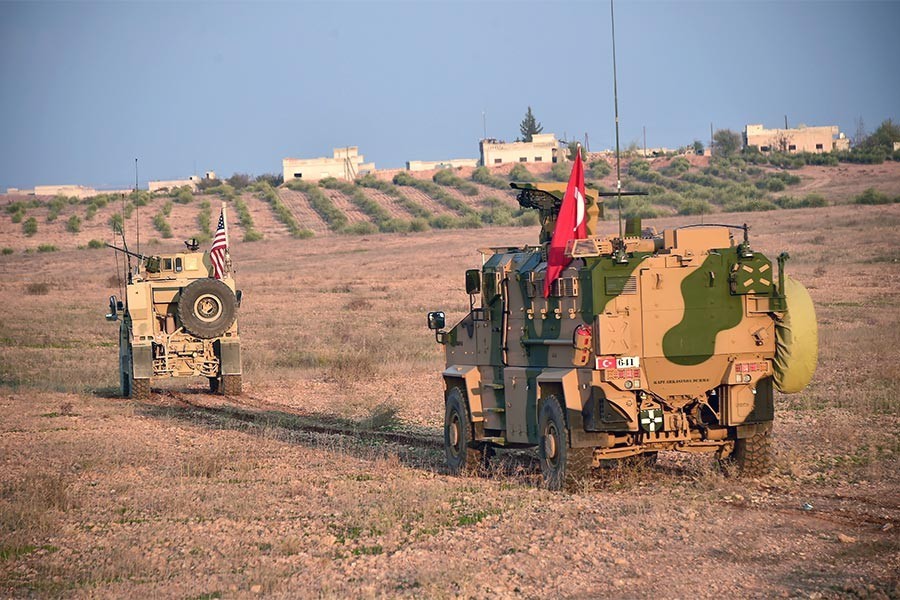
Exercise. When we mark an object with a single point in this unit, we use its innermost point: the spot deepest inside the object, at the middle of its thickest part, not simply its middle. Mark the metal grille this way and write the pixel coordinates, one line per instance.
(625, 286)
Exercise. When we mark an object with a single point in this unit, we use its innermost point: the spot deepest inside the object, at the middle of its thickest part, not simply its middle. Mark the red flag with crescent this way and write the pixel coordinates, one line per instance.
(570, 225)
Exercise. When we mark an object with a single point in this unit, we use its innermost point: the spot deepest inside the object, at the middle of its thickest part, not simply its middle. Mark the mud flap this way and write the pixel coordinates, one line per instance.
(230, 358)
(142, 361)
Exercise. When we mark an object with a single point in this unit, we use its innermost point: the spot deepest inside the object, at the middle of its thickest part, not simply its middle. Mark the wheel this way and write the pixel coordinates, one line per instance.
(124, 380)
(753, 455)
(462, 455)
(207, 308)
(213, 385)
(140, 388)
(124, 363)
(231, 385)
(561, 466)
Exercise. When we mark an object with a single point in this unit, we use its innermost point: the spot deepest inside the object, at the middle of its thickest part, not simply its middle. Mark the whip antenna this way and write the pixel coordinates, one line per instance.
(137, 207)
(616, 108)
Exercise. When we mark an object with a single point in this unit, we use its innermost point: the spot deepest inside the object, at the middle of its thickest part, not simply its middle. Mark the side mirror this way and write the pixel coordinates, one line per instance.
(436, 320)
(473, 281)
(113, 313)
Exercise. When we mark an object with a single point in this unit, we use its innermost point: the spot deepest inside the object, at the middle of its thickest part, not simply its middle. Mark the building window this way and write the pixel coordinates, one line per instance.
(820, 147)
(497, 161)
(298, 175)
(538, 159)
(792, 147)
(763, 148)
(523, 159)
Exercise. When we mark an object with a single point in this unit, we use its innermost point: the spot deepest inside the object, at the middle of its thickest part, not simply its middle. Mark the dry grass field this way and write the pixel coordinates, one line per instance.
(326, 478)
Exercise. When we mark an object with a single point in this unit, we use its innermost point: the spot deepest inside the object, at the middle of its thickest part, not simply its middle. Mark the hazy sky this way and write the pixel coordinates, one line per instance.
(233, 87)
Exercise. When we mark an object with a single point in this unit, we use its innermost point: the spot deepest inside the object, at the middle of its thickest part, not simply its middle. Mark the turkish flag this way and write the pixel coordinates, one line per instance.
(570, 225)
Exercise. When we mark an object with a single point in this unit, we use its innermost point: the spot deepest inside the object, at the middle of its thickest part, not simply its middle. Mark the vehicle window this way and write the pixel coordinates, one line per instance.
(178, 266)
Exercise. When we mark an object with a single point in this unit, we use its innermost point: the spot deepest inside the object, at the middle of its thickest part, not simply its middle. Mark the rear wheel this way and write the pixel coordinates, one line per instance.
(561, 465)
(753, 455)
(140, 389)
(460, 451)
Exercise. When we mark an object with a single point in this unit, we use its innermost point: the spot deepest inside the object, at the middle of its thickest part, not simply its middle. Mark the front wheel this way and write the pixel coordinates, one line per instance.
(460, 452)
(561, 465)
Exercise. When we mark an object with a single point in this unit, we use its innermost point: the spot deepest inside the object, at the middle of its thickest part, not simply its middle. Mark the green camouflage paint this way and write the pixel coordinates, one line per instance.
(708, 310)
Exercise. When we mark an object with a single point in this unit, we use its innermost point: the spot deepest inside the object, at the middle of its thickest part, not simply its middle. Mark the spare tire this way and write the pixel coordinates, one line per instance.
(796, 340)
(207, 308)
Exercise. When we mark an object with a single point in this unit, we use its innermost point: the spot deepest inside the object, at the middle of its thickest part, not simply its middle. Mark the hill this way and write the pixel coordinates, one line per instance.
(398, 201)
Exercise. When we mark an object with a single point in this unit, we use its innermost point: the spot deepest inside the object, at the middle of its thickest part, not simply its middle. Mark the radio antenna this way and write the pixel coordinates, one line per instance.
(616, 108)
(137, 207)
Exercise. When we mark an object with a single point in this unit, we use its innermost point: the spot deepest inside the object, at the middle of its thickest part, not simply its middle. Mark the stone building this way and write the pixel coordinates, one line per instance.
(543, 147)
(799, 139)
(346, 163)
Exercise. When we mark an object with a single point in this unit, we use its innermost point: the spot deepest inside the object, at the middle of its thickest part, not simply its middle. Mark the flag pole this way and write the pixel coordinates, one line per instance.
(227, 246)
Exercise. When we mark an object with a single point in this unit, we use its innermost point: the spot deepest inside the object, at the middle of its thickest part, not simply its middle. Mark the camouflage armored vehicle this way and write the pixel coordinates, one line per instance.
(647, 341)
(177, 320)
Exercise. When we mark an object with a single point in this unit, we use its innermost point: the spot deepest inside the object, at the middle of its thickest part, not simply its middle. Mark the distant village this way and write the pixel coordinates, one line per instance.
(347, 163)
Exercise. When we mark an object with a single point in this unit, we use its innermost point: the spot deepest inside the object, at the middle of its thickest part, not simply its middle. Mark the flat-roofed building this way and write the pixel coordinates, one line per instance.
(346, 163)
(543, 147)
(192, 182)
(428, 165)
(74, 191)
(798, 139)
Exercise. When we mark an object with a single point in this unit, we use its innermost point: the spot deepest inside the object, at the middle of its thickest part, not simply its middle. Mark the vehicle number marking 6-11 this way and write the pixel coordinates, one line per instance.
(622, 362)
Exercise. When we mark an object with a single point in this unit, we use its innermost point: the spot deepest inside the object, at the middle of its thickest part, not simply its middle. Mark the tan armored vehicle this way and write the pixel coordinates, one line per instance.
(647, 342)
(177, 320)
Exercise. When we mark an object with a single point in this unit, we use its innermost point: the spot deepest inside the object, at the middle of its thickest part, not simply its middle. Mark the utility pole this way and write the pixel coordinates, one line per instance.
(785, 122)
(587, 147)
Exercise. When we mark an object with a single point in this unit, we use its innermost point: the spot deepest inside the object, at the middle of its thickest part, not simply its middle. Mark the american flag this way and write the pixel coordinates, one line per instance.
(219, 248)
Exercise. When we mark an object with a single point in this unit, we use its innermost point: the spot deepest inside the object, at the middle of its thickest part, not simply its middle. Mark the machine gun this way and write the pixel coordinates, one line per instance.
(151, 263)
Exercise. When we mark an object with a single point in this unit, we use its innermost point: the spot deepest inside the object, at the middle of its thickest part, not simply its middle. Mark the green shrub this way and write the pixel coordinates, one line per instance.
(17, 216)
(90, 212)
(448, 178)
(138, 197)
(322, 204)
(496, 212)
(73, 225)
(95, 244)
(435, 191)
(203, 222)
(8, 251)
(161, 225)
(243, 212)
(30, 226)
(483, 176)
(386, 187)
(599, 169)
(183, 195)
(640, 208)
(748, 205)
(528, 219)
(808, 201)
(418, 224)
(266, 192)
(361, 228)
(560, 171)
(55, 206)
(872, 196)
(443, 222)
(166, 208)
(694, 206)
(47, 248)
(520, 173)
